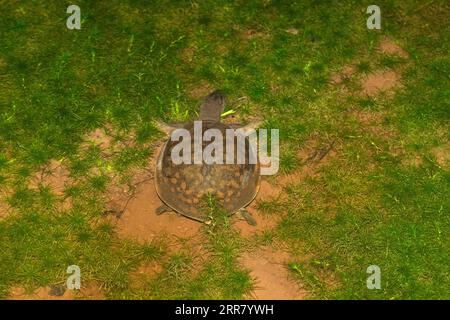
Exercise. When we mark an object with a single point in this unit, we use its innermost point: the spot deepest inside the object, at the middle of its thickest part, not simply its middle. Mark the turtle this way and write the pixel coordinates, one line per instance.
(183, 187)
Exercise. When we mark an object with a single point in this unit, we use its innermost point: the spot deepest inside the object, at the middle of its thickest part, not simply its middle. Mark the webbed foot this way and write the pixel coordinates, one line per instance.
(247, 216)
(162, 208)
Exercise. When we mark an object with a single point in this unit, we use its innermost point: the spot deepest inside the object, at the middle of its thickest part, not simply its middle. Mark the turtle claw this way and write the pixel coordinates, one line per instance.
(247, 216)
(161, 209)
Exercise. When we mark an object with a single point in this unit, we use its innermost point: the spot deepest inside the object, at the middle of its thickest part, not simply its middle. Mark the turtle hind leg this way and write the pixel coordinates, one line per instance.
(162, 208)
(247, 216)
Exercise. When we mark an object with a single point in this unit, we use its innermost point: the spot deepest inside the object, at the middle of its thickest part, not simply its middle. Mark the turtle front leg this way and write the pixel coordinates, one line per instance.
(247, 216)
(162, 208)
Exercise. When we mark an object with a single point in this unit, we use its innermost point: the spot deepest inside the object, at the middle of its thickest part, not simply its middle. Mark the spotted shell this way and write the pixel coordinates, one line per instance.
(185, 187)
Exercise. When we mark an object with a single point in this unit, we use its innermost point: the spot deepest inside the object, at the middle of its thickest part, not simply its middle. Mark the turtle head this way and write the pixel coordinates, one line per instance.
(212, 106)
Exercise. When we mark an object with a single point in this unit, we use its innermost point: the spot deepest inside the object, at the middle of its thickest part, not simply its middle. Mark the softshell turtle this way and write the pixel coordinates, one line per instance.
(183, 187)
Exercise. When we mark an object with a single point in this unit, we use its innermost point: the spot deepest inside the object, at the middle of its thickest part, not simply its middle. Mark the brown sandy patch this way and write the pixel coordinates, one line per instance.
(380, 81)
(387, 46)
(100, 138)
(57, 292)
(442, 155)
(5, 209)
(267, 191)
(268, 268)
(139, 220)
(54, 176)
(345, 74)
(144, 273)
(109, 140)
(377, 81)
(131, 209)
